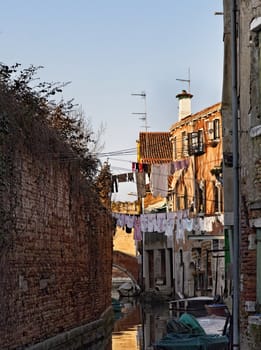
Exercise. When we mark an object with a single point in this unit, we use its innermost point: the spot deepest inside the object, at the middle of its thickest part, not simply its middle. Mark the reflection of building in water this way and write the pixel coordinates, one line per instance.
(154, 324)
(126, 333)
(126, 340)
(140, 326)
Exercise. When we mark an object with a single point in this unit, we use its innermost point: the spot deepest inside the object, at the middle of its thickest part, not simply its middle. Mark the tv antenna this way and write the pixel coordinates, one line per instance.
(143, 116)
(186, 80)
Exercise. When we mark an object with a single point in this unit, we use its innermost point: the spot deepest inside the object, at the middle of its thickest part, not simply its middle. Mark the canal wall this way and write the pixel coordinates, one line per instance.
(93, 336)
(55, 240)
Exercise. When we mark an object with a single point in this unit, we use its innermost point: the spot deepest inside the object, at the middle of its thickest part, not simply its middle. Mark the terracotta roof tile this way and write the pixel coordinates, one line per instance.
(155, 147)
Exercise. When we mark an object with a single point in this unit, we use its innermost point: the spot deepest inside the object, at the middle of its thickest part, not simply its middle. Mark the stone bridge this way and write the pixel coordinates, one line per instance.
(126, 263)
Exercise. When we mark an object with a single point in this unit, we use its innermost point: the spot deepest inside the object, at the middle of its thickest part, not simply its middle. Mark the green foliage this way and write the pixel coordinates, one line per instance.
(22, 93)
(103, 184)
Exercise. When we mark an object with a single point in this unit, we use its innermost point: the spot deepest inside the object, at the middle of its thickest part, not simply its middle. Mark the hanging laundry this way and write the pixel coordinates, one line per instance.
(179, 164)
(130, 177)
(137, 229)
(128, 229)
(140, 167)
(208, 223)
(140, 182)
(134, 166)
(196, 226)
(180, 234)
(170, 223)
(161, 222)
(188, 224)
(129, 221)
(121, 221)
(114, 184)
(201, 224)
(152, 223)
(159, 179)
(122, 177)
(144, 222)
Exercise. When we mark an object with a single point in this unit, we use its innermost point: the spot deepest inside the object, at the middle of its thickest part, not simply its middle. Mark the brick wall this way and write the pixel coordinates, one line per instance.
(247, 281)
(55, 244)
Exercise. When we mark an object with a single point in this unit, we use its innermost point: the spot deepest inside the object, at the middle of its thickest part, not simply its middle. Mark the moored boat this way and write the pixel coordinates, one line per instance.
(186, 333)
(217, 309)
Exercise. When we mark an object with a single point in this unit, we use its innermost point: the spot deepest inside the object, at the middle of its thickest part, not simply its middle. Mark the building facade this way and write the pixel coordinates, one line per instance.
(241, 111)
(196, 196)
(184, 187)
(154, 149)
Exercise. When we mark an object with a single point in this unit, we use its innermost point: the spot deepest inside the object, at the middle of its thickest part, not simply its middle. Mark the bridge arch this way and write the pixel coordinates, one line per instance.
(127, 273)
(127, 264)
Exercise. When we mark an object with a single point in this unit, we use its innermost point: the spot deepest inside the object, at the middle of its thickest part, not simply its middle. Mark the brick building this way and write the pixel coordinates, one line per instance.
(241, 111)
(196, 195)
(188, 261)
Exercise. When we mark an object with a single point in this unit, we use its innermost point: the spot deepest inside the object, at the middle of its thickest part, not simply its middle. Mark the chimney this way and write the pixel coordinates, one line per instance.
(184, 104)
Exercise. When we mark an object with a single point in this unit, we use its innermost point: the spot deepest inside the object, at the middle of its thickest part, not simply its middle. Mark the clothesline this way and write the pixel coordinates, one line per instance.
(165, 223)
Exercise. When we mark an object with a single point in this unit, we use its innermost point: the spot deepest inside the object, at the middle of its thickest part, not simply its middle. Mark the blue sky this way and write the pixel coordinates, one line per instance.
(109, 50)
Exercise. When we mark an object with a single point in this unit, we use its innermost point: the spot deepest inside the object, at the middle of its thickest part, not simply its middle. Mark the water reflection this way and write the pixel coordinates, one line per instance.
(126, 339)
(139, 325)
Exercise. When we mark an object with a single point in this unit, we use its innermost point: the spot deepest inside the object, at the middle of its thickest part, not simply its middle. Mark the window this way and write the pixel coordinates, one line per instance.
(218, 197)
(185, 198)
(193, 142)
(196, 143)
(216, 130)
(184, 144)
(216, 200)
(210, 131)
(175, 147)
(200, 142)
(201, 197)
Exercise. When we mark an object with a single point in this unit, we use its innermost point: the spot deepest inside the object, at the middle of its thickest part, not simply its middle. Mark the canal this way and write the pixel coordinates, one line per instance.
(137, 326)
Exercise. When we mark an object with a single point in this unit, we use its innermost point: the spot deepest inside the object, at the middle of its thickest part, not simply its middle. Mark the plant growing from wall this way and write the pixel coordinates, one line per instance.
(21, 92)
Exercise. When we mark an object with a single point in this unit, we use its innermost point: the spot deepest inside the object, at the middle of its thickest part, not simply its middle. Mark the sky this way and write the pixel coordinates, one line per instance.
(110, 50)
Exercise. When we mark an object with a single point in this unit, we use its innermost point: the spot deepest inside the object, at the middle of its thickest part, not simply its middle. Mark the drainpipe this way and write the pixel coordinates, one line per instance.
(236, 233)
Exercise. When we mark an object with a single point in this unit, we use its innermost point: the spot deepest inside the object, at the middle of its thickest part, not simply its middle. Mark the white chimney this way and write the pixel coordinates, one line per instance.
(184, 104)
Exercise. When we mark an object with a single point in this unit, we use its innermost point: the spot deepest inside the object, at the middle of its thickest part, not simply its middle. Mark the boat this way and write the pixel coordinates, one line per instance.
(186, 333)
(129, 289)
(213, 324)
(193, 305)
(217, 309)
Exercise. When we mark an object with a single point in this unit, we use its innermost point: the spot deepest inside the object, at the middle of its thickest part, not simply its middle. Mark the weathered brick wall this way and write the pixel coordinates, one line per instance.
(250, 333)
(248, 269)
(55, 244)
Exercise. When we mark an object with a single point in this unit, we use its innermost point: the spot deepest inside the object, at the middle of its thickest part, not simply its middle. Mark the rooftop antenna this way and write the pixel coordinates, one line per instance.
(144, 114)
(186, 80)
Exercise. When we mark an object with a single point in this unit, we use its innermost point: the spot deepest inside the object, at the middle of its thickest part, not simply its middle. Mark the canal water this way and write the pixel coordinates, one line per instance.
(137, 326)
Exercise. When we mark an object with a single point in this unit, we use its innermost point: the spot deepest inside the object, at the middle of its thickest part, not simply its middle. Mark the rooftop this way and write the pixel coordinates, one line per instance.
(155, 147)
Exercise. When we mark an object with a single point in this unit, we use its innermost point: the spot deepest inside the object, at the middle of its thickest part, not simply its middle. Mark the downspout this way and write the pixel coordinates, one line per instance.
(235, 151)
